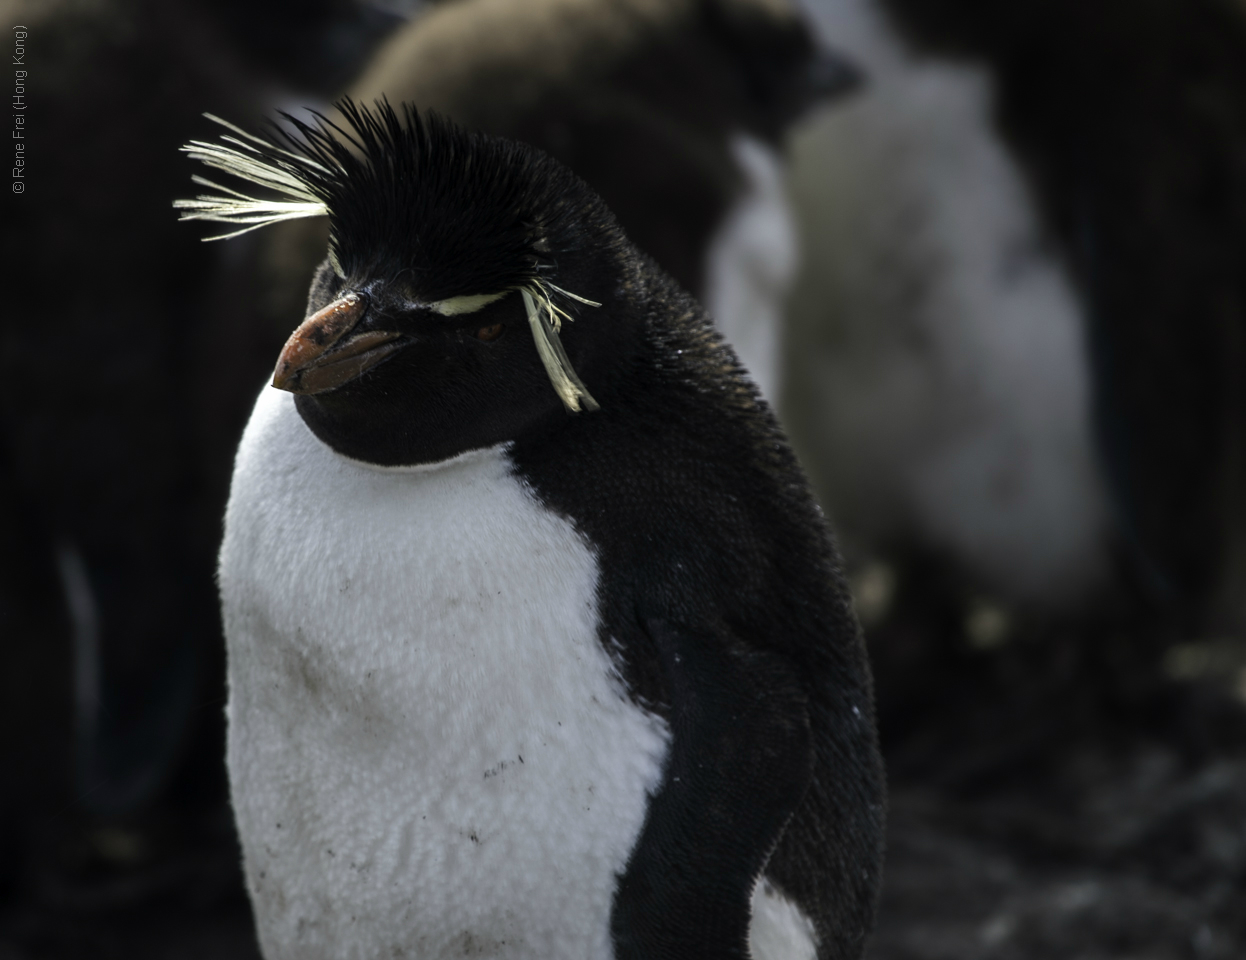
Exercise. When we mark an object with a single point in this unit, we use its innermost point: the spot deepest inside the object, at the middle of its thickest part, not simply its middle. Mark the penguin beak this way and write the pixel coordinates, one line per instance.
(320, 355)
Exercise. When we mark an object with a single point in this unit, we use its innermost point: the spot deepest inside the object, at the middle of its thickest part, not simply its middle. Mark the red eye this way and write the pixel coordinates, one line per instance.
(490, 333)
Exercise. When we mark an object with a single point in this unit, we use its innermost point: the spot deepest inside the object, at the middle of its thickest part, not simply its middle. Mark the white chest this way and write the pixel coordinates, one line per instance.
(430, 752)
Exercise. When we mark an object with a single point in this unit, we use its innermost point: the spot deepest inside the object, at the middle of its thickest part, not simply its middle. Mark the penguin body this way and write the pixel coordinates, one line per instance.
(502, 825)
(1055, 264)
(1130, 126)
(956, 401)
(511, 676)
(941, 384)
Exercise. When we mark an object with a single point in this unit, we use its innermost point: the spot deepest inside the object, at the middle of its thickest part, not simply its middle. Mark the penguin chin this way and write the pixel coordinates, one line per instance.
(371, 421)
(460, 459)
(377, 438)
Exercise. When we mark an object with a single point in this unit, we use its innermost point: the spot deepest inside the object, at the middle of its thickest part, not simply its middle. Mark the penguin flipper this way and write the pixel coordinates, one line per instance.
(741, 761)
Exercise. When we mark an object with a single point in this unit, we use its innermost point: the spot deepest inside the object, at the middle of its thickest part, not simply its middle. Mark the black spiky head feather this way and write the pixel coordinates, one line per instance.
(418, 198)
(419, 201)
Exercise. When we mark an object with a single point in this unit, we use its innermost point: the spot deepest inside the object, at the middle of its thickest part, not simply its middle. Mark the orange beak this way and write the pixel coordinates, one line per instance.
(319, 355)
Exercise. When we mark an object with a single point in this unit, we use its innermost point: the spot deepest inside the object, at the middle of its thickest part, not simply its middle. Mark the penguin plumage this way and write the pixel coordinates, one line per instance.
(537, 642)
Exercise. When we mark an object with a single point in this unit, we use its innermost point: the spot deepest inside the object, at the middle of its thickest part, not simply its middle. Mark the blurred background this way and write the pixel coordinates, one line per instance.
(988, 263)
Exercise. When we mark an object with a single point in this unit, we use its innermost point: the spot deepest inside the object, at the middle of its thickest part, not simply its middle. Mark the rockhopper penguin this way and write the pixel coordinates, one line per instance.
(538, 645)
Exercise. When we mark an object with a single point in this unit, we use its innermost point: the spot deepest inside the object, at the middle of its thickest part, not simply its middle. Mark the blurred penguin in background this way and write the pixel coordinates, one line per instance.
(110, 663)
(1018, 345)
(674, 111)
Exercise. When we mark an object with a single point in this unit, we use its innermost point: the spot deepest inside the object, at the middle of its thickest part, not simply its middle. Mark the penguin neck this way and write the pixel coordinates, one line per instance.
(465, 459)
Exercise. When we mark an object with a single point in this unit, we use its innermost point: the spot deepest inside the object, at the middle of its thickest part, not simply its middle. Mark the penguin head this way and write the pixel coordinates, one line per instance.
(470, 282)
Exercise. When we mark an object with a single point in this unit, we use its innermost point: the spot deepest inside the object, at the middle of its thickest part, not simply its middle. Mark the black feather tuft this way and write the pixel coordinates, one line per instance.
(444, 211)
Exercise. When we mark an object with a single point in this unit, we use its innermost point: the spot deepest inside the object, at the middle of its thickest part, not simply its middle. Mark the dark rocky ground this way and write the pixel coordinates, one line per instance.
(1130, 850)
(1073, 793)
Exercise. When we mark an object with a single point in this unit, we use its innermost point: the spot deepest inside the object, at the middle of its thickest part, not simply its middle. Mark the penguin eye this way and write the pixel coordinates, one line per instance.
(491, 332)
